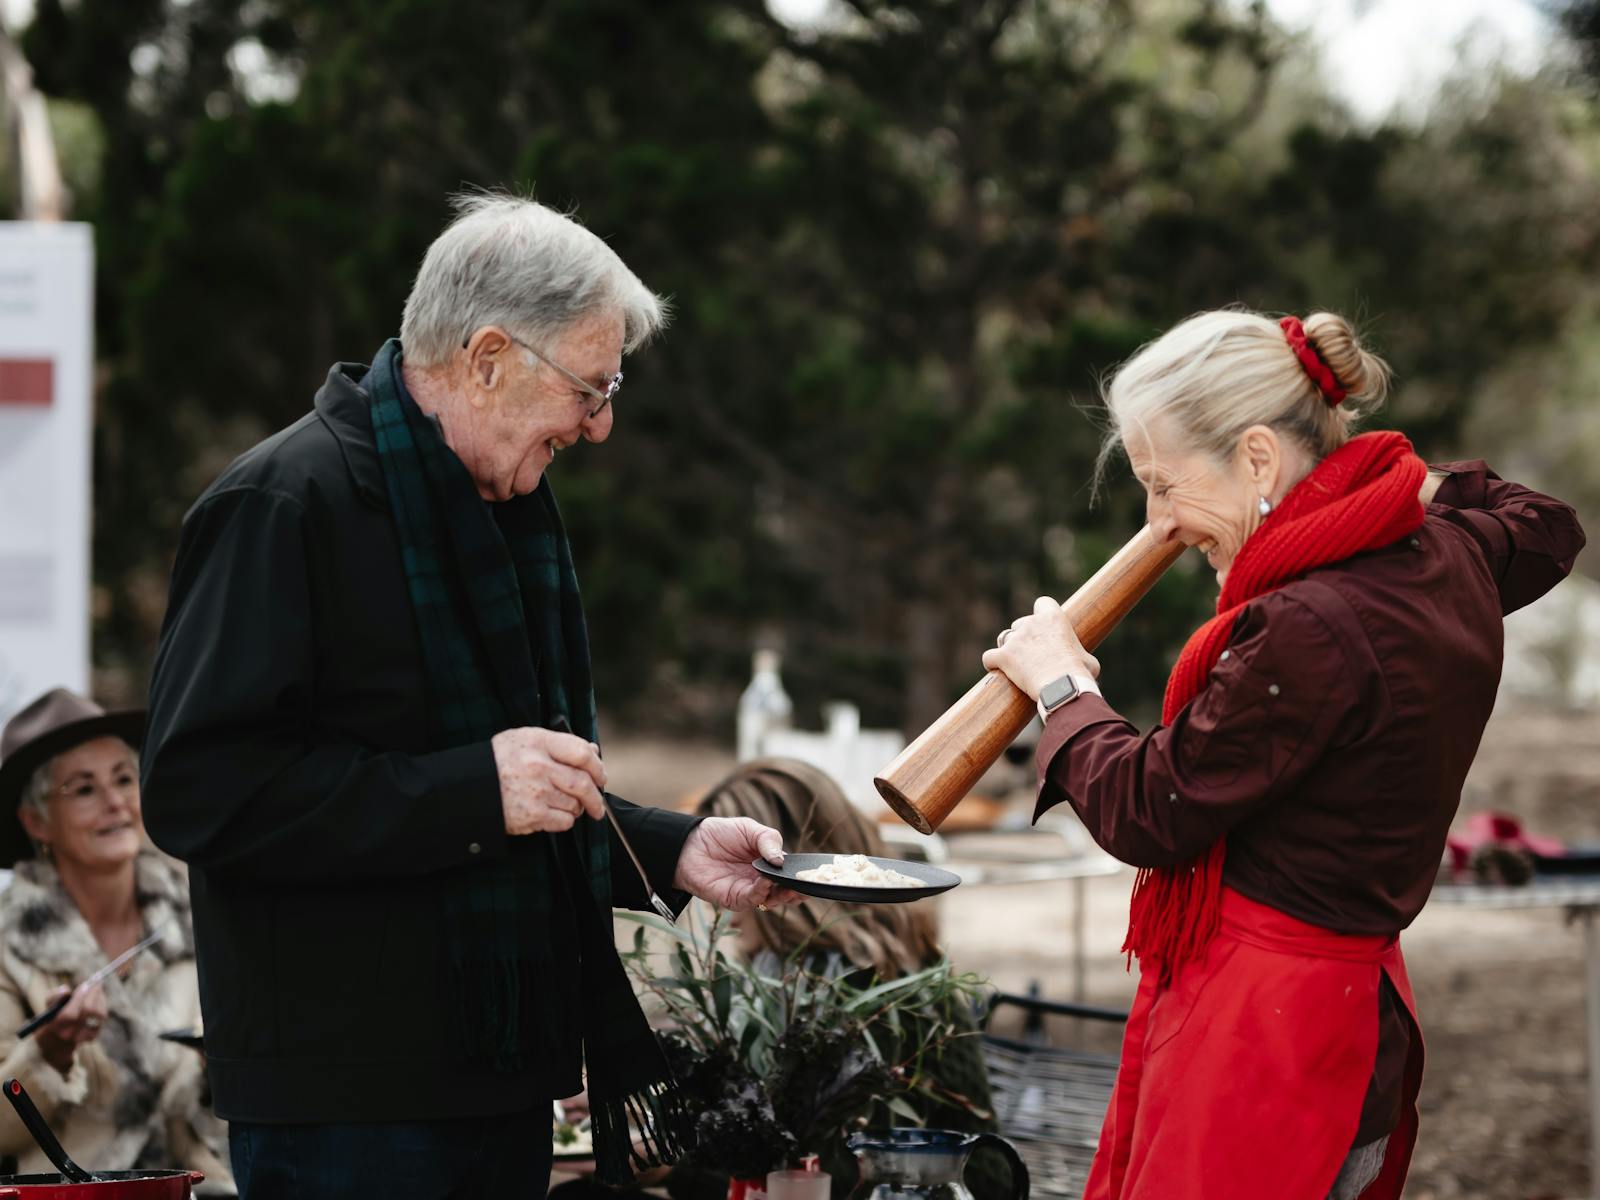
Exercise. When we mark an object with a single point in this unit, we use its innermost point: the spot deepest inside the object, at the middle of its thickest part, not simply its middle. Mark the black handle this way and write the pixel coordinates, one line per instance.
(45, 1017)
(1019, 1169)
(70, 1171)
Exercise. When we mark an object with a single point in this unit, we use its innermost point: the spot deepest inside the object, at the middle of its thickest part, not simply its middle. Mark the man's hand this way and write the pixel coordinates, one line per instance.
(79, 1022)
(715, 864)
(547, 779)
(1041, 648)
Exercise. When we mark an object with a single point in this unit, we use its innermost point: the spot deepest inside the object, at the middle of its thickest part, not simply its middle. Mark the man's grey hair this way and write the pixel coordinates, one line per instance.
(522, 266)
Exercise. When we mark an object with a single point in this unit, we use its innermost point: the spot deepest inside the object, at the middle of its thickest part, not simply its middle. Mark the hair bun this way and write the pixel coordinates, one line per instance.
(1364, 376)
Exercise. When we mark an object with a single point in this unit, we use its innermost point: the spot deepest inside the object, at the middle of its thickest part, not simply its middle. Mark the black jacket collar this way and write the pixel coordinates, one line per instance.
(342, 406)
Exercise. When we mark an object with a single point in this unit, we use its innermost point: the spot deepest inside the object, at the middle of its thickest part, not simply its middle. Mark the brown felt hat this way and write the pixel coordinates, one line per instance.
(56, 721)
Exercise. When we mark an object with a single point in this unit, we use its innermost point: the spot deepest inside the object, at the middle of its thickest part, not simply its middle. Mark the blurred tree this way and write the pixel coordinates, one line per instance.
(1003, 199)
(1581, 20)
(973, 244)
(901, 244)
(1535, 404)
(246, 244)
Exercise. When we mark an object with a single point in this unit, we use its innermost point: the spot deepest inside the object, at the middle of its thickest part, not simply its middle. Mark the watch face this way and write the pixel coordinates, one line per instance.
(1058, 691)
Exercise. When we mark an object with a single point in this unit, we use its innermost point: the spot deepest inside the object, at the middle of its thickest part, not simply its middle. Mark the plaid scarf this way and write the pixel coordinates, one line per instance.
(504, 645)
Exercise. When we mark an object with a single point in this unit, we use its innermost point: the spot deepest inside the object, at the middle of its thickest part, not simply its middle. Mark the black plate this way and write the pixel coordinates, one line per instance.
(184, 1037)
(934, 880)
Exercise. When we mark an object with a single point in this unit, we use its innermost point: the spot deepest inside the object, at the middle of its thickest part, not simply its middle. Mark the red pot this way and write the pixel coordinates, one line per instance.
(110, 1185)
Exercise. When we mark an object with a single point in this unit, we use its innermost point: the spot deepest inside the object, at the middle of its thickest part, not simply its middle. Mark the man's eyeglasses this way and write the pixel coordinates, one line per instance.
(603, 394)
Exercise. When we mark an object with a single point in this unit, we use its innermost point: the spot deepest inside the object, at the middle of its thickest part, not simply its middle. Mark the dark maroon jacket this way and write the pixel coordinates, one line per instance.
(1333, 738)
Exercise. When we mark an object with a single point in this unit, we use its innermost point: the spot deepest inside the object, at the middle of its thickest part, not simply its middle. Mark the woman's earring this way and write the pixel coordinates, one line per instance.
(1263, 505)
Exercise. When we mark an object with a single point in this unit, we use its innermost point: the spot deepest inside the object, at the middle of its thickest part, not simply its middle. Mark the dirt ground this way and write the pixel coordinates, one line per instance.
(1505, 1102)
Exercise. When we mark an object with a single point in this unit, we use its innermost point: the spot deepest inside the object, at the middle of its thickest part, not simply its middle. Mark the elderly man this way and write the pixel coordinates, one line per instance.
(400, 870)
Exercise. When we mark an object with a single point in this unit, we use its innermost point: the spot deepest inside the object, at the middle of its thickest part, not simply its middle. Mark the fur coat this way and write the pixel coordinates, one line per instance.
(131, 1099)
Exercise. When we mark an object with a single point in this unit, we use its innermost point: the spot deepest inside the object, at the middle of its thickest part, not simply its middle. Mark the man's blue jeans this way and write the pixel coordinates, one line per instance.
(492, 1157)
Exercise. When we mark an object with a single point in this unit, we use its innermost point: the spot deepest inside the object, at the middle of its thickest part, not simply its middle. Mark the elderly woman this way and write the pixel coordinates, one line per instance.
(117, 1094)
(1289, 813)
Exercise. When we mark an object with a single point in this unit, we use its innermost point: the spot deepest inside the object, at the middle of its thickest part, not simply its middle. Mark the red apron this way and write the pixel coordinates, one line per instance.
(1243, 1078)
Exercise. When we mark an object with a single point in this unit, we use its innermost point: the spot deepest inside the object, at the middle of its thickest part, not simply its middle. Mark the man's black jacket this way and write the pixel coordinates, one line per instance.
(286, 710)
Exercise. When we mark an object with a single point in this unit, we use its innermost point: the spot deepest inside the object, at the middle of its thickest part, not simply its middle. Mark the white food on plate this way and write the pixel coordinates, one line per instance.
(857, 870)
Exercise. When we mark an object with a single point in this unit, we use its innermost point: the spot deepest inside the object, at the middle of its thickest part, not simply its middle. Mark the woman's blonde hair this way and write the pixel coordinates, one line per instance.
(1216, 374)
(814, 816)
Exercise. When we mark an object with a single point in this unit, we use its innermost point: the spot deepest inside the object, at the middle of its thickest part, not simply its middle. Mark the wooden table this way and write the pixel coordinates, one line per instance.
(978, 869)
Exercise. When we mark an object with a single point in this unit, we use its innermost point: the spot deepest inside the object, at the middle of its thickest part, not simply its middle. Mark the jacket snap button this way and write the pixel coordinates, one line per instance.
(474, 848)
(1172, 796)
(1225, 655)
(1416, 543)
(1273, 690)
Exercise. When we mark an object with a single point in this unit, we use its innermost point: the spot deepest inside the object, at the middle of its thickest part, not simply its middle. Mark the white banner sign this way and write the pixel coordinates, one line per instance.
(46, 349)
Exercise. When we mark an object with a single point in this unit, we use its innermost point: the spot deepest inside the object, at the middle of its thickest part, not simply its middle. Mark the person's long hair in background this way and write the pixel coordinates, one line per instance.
(805, 805)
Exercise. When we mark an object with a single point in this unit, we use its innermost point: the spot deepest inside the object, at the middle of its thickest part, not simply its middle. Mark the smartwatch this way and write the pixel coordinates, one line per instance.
(1058, 692)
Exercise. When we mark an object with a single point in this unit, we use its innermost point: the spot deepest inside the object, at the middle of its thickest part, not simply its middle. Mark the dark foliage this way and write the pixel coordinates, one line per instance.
(901, 249)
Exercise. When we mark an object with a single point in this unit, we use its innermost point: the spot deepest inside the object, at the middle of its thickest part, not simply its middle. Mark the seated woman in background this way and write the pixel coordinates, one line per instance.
(886, 940)
(88, 886)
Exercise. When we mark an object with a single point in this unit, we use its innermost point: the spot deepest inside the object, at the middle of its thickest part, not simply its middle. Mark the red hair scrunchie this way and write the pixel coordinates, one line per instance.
(1321, 374)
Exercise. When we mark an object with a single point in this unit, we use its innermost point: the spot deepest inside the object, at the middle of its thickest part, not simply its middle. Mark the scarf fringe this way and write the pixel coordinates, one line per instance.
(651, 1127)
(1175, 911)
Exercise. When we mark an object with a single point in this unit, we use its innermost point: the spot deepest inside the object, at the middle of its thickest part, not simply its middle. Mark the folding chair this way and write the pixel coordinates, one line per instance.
(1049, 1100)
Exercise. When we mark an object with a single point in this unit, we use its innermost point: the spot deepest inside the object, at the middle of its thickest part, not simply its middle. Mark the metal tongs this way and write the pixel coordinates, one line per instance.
(52, 1011)
(562, 725)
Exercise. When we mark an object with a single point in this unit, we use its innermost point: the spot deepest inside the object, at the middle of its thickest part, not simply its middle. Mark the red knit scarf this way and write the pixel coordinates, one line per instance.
(1361, 497)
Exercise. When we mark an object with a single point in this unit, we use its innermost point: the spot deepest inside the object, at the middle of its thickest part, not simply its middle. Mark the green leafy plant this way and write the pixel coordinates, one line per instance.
(781, 1064)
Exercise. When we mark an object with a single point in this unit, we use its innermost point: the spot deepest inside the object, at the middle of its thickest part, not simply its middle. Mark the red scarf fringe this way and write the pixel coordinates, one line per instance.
(1361, 497)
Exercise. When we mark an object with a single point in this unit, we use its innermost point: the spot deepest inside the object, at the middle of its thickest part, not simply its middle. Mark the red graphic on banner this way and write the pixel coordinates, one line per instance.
(27, 380)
